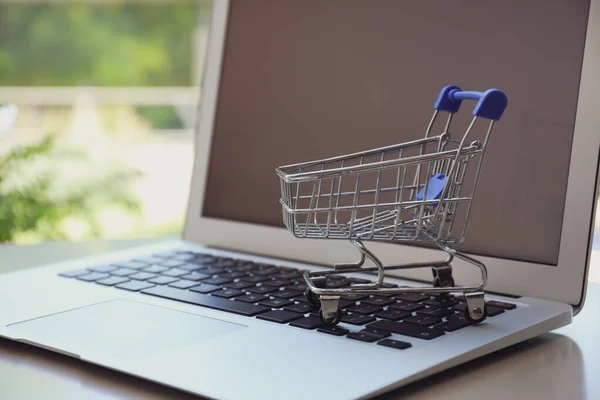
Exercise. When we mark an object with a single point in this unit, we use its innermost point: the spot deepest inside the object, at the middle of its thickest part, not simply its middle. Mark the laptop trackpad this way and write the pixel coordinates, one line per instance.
(124, 329)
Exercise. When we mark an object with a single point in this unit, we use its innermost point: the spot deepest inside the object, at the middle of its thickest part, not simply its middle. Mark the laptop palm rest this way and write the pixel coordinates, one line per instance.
(123, 329)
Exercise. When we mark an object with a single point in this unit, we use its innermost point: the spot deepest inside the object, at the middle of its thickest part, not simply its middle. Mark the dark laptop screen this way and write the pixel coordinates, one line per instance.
(303, 80)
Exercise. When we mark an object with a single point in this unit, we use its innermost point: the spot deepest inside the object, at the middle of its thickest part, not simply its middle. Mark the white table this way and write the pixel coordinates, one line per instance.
(558, 365)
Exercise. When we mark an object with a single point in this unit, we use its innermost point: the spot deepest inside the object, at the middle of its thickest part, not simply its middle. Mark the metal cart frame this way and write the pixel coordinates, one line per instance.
(409, 192)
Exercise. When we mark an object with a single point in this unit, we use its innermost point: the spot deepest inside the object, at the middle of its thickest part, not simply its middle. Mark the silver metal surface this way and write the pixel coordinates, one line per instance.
(373, 195)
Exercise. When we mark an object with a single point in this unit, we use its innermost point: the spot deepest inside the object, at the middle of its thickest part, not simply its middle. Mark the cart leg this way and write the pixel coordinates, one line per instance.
(475, 310)
(330, 310)
(342, 266)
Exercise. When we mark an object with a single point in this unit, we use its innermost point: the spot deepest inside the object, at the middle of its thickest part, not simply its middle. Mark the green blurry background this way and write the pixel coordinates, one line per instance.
(106, 94)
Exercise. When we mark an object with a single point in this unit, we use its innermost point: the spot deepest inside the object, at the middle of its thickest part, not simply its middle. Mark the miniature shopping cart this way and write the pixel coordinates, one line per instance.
(420, 191)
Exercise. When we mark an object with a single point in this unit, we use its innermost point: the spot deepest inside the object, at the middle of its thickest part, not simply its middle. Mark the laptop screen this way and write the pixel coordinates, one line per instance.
(307, 80)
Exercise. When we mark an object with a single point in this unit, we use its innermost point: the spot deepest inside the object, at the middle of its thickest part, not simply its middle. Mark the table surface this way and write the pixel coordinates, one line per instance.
(558, 365)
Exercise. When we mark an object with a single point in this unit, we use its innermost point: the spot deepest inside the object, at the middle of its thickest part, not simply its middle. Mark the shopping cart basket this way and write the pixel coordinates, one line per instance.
(420, 191)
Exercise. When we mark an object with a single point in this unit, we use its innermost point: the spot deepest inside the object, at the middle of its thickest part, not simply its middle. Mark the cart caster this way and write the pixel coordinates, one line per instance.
(476, 321)
(312, 298)
(331, 320)
(330, 311)
(475, 311)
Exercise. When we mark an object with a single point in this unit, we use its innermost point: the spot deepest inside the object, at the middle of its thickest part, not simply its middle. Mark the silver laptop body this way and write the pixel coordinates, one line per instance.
(228, 355)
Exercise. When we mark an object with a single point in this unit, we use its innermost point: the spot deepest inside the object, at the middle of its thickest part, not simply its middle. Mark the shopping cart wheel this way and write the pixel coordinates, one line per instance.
(312, 298)
(330, 311)
(476, 321)
(476, 310)
(331, 320)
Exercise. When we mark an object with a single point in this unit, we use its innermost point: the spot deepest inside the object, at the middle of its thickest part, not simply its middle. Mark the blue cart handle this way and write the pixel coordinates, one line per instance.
(490, 104)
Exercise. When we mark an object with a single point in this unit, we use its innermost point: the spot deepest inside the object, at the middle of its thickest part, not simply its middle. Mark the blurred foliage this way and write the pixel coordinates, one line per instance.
(32, 198)
(98, 44)
(160, 117)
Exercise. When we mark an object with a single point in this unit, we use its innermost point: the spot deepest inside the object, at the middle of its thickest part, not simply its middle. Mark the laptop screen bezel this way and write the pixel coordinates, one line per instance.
(564, 282)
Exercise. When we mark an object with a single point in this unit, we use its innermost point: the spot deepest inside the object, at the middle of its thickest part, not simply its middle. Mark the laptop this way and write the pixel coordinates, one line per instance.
(221, 313)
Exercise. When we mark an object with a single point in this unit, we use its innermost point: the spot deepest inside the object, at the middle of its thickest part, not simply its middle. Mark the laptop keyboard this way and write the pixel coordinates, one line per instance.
(276, 294)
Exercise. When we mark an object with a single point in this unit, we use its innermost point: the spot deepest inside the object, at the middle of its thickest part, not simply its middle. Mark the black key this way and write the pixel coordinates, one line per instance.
(407, 306)
(155, 269)
(300, 298)
(190, 267)
(162, 280)
(224, 264)
(111, 281)
(354, 297)
(143, 276)
(278, 282)
(402, 328)
(231, 275)
(262, 289)
(396, 344)
(364, 308)
(102, 268)
(460, 307)
(175, 273)
(242, 268)
(336, 283)
(423, 320)
(493, 311)
(311, 322)
(210, 270)
(333, 330)
(378, 301)
(363, 337)
(238, 285)
(195, 276)
(236, 307)
(441, 302)
(205, 288)
(412, 297)
(501, 304)
(255, 278)
(286, 293)
(74, 274)
(289, 275)
(184, 257)
(358, 280)
(183, 284)
(227, 293)
(300, 286)
(381, 334)
(276, 303)
(435, 312)
(92, 276)
(393, 314)
(135, 286)
(453, 324)
(266, 272)
(301, 308)
(131, 264)
(346, 303)
(216, 281)
(264, 267)
(149, 260)
(171, 263)
(165, 254)
(123, 272)
(252, 298)
(280, 316)
(357, 319)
